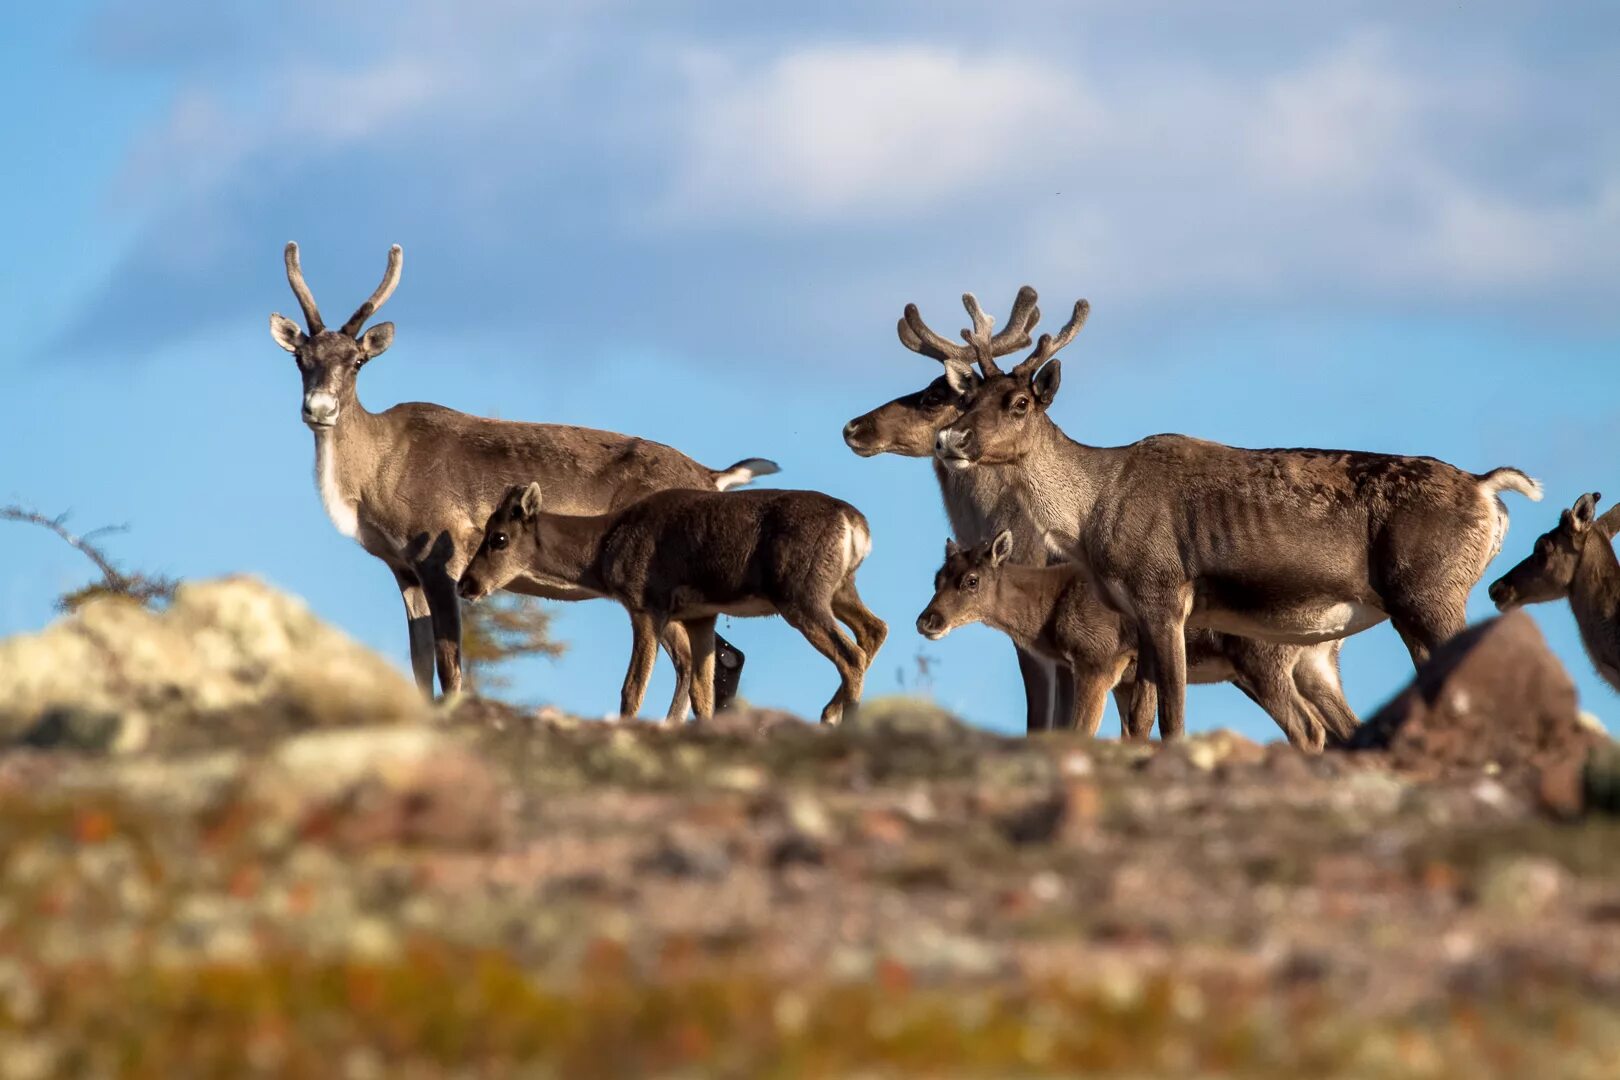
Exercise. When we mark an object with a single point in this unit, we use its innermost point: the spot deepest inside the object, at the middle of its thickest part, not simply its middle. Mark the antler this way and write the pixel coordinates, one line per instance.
(1048, 346)
(306, 299)
(979, 346)
(1014, 336)
(390, 281)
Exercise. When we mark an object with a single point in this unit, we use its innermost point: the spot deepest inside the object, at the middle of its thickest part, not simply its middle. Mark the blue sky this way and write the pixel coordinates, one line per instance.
(1395, 227)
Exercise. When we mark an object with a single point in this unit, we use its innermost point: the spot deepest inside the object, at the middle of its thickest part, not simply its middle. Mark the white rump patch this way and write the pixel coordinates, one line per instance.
(345, 515)
(857, 545)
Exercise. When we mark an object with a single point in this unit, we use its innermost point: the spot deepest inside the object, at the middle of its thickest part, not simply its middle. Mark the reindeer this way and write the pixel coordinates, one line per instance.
(1288, 545)
(687, 556)
(414, 484)
(1053, 611)
(979, 504)
(1575, 561)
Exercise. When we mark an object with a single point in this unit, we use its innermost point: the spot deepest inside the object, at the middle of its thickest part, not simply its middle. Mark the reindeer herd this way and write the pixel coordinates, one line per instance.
(1129, 570)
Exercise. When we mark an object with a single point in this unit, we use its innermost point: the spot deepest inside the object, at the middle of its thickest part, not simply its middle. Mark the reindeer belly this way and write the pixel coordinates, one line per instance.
(1302, 622)
(741, 607)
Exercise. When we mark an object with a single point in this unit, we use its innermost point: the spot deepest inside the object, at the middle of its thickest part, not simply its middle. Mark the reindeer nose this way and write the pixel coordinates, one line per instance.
(930, 622)
(1501, 593)
(853, 429)
(467, 587)
(951, 439)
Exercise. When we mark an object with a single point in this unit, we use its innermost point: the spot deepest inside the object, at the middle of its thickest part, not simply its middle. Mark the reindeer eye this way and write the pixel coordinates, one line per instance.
(497, 542)
(1020, 405)
(970, 582)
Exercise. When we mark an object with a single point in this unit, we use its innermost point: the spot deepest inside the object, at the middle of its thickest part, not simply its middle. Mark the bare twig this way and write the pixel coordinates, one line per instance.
(142, 588)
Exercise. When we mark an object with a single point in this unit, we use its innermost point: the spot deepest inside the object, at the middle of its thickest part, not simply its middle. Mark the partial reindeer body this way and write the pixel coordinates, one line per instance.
(685, 557)
(980, 503)
(1575, 561)
(415, 484)
(1293, 546)
(1054, 611)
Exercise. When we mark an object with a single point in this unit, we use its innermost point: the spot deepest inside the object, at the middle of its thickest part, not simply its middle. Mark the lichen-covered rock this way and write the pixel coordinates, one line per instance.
(225, 660)
(1493, 696)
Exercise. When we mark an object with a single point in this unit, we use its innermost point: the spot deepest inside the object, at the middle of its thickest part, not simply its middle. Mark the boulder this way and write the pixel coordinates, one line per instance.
(228, 659)
(1494, 695)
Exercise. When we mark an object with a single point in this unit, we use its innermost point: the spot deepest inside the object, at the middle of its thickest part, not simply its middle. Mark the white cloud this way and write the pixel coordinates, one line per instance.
(827, 133)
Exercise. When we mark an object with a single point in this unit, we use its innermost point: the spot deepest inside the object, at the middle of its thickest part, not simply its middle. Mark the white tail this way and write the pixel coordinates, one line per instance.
(1509, 479)
(745, 471)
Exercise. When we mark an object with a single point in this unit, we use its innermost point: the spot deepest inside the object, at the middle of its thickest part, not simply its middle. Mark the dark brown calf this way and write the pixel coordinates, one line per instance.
(688, 556)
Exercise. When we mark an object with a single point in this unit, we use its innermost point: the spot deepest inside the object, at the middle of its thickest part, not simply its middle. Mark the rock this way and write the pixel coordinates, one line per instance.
(369, 786)
(1522, 887)
(1560, 789)
(227, 655)
(903, 714)
(1494, 694)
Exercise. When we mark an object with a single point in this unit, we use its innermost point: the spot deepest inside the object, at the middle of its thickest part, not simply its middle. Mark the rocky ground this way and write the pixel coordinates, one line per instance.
(233, 843)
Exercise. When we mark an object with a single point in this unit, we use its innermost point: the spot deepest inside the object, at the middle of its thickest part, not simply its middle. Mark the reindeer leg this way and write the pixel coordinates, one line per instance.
(1161, 632)
(1089, 700)
(678, 645)
(419, 622)
(1316, 676)
(1038, 676)
(870, 631)
(444, 607)
(1261, 671)
(1424, 622)
(645, 628)
(823, 634)
(1065, 695)
(700, 632)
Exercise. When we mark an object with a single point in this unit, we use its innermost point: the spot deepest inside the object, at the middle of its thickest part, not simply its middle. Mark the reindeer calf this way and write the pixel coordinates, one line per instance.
(1575, 561)
(688, 556)
(1054, 612)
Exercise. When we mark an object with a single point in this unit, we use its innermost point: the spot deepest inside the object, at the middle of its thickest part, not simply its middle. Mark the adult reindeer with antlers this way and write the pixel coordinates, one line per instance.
(415, 484)
(1295, 546)
(979, 504)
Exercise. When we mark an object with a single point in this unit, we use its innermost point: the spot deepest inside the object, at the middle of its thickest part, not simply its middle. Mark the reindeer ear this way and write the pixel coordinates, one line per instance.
(375, 342)
(286, 332)
(1045, 382)
(1001, 547)
(1584, 511)
(959, 376)
(530, 502)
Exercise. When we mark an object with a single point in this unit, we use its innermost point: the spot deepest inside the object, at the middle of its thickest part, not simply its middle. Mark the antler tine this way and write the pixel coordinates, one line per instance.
(978, 335)
(390, 281)
(916, 336)
(1048, 346)
(306, 299)
(1020, 324)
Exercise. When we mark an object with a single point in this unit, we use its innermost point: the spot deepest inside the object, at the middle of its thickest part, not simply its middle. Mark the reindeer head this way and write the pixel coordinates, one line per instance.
(963, 587)
(1003, 412)
(907, 425)
(510, 536)
(329, 359)
(1549, 571)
